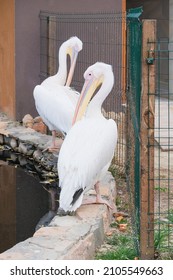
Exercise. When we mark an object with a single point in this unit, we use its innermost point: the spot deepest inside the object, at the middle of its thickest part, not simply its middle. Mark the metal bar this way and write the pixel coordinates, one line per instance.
(51, 45)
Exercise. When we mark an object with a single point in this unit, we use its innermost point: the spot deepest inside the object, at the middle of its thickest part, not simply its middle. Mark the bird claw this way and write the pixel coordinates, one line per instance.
(61, 212)
(52, 149)
(104, 201)
(97, 201)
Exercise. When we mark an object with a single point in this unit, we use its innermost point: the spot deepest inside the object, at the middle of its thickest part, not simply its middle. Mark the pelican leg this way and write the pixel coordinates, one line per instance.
(53, 147)
(53, 138)
(98, 199)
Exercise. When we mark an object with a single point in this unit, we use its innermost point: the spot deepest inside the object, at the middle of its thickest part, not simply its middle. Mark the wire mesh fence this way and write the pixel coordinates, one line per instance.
(163, 149)
(103, 37)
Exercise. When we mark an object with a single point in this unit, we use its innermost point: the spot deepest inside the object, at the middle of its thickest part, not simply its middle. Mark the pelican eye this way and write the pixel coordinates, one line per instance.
(89, 75)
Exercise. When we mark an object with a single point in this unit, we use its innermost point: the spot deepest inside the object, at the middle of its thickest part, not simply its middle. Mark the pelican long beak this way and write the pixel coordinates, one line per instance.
(87, 92)
(73, 55)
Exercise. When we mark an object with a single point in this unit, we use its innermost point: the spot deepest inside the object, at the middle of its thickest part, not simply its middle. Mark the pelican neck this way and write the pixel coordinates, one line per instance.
(61, 75)
(95, 105)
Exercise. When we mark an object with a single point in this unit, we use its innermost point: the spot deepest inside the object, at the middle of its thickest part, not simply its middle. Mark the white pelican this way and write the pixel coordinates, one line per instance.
(89, 146)
(55, 102)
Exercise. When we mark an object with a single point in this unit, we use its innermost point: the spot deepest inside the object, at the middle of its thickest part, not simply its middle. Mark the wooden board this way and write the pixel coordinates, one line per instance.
(7, 58)
(147, 142)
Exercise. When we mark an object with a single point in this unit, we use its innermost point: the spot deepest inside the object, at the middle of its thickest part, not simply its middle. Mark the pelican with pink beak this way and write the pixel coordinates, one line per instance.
(89, 146)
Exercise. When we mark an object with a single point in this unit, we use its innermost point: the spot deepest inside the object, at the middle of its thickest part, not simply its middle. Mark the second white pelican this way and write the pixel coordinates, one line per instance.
(89, 146)
(55, 102)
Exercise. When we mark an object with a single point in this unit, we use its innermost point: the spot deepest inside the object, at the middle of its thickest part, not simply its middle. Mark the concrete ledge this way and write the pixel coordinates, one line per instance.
(69, 237)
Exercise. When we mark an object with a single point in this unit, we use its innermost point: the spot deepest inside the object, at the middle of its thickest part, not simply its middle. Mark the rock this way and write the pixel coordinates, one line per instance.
(37, 155)
(13, 143)
(28, 121)
(1, 139)
(7, 140)
(22, 160)
(39, 126)
(38, 119)
(26, 149)
(13, 157)
(22, 148)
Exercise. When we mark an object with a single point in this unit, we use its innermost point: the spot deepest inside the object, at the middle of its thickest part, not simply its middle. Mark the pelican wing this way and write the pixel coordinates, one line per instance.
(53, 81)
(55, 107)
(86, 152)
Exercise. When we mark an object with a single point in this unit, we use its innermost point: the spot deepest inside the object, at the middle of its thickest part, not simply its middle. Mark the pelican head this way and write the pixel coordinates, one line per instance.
(73, 46)
(94, 77)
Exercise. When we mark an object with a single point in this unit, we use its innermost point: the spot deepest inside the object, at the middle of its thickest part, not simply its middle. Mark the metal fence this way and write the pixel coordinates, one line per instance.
(163, 149)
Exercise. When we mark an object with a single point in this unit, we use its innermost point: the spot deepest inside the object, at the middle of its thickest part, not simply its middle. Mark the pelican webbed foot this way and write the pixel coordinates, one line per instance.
(61, 212)
(52, 149)
(98, 199)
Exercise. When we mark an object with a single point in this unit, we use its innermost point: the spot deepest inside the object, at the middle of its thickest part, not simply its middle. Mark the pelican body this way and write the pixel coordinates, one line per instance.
(88, 148)
(55, 102)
